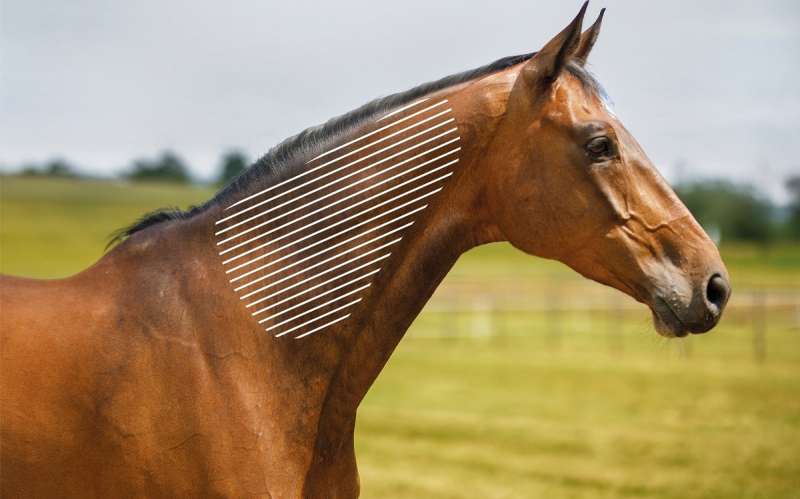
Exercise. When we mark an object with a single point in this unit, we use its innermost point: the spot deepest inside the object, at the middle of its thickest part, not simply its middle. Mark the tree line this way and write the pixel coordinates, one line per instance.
(166, 167)
(727, 210)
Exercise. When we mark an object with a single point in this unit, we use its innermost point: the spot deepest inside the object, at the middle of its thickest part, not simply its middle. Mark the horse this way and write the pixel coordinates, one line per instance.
(223, 351)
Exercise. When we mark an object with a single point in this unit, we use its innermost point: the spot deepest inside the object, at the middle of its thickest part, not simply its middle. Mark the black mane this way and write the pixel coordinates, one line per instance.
(277, 162)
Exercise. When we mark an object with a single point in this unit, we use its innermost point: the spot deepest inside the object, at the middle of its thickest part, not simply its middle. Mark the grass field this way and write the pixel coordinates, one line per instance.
(522, 379)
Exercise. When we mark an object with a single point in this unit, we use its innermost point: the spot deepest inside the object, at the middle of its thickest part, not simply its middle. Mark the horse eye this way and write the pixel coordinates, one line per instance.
(600, 148)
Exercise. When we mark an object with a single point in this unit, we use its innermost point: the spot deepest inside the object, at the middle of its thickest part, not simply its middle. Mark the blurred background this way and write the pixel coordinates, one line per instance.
(520, 378)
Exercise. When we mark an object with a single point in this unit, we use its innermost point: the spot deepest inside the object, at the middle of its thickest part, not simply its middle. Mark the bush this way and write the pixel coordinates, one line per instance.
(167, 168)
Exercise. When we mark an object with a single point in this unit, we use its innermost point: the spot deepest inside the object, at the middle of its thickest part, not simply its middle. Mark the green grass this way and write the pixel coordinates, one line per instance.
(583, 402)
(54, 227)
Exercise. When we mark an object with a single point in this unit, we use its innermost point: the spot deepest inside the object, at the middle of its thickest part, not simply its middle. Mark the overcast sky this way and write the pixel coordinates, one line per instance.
(712, 85)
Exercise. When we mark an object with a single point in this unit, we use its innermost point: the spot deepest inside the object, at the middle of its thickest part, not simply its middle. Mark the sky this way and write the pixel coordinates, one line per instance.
(709, 88)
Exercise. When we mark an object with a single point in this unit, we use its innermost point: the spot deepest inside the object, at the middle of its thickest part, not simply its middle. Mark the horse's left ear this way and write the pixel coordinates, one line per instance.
(544, 67)
(587, 40)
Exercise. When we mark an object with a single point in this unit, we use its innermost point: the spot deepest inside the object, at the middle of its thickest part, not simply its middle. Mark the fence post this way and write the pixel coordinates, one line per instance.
(481, 319)
(759, 315)
(553, 315)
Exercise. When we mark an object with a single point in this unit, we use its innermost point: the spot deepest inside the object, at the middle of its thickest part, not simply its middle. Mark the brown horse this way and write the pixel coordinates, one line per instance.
(224, 351)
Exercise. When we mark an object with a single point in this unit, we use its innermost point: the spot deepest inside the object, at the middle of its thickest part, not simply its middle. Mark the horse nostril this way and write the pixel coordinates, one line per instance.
(717, 291)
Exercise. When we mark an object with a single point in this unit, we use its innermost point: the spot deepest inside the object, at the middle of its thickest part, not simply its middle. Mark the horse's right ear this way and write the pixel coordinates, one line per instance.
(587, 40)
(544, 67)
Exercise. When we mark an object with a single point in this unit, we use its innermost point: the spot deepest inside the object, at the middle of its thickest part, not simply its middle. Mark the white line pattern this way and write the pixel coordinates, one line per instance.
(297, 253)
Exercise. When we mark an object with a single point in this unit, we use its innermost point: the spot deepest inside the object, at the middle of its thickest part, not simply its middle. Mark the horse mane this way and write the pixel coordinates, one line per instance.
(276, 163)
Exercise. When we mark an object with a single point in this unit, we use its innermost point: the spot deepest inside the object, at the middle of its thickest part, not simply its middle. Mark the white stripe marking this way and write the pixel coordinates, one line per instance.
(371, 272)
(315, 319)
(301, 314)
(345, 198)
(267, 222)
(348, 208)
(229, 260)
(306, 269)
(320, 177)
(298, 262)
(251, 250)
(273, 262)
(352, 163)
(248, 198)
(292, 286)
(322, 327)
(325, 293)
(378, 130)
(400, 110)
(315, 243)
(319, 220)
(356, 204)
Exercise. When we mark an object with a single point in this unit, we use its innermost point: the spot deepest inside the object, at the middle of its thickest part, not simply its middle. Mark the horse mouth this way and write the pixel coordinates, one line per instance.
(666, 321)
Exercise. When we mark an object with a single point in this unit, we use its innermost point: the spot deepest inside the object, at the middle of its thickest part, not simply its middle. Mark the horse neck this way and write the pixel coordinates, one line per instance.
(346, 358)
(454, 222)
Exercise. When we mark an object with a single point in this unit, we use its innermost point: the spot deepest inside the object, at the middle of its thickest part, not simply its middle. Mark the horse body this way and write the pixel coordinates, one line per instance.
(127, 385)
(146, 376)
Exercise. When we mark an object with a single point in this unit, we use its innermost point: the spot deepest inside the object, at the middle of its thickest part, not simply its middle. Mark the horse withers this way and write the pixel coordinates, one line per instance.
(224, 351)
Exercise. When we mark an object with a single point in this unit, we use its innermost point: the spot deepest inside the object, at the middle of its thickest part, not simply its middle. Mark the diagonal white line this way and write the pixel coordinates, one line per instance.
(319, 284)
(267, 222)
(287, 288)
(304, 259)
(310, 267)
(315, 319)
(248, 198)
(301, 314)
(400, 110)
(263, 245)
(295, 263)
(352, 238)
(305, 269)
(320, 295)
(299, 175)
(334, 321)
(320, 241)
(362, 137)
(371, 272)
(438, 179)
(359, 203)
(354, 194)
(320, 177)
(326, 217)
(434, 170)
(264, 255)
(337, 191)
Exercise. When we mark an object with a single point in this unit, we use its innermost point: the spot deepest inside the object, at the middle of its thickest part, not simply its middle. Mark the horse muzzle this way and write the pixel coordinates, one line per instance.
(682, 309)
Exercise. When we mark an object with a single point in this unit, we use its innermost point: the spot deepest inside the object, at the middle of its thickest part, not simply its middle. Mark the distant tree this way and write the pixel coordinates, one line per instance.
(233, 163)
(30, 170)
(793, 220)
(167, 168)
(738, 212)
(53, 168)
(59, 168)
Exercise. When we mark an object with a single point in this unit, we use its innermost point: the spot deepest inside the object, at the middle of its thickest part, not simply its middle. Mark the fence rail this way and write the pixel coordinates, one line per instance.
(489, 317)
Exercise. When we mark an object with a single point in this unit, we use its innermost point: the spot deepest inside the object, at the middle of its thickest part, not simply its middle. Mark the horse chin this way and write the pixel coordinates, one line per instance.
(666, 322)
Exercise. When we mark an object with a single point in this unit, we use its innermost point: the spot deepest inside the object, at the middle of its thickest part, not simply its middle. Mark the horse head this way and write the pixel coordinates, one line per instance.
(567, 181)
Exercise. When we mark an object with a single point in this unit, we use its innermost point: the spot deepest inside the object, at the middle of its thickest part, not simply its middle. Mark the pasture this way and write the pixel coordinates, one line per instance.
(521, 379)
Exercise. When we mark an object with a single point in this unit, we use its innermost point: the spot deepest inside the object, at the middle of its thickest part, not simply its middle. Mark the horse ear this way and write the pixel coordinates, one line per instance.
(545, 66)
(587, 40)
